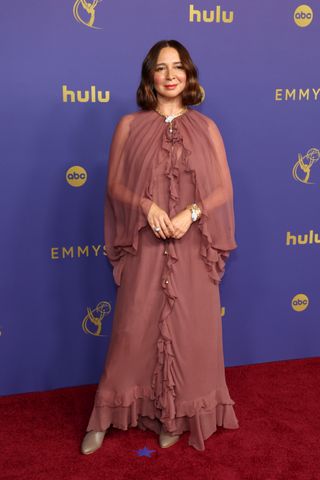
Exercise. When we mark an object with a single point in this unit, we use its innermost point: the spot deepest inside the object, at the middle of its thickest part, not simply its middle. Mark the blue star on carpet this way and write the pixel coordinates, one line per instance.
(144, 452)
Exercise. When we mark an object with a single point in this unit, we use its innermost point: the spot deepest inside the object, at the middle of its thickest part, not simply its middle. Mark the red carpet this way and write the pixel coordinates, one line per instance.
(277, 405)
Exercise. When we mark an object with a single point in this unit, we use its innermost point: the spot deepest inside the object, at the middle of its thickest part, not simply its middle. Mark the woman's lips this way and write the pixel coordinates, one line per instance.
(170, 87)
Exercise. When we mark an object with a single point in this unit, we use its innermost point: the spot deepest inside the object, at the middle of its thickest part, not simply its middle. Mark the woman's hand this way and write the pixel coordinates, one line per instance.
(157, 217)
(181, 223)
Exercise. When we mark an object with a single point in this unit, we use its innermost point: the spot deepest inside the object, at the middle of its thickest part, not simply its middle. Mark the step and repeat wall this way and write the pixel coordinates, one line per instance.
(70, 70)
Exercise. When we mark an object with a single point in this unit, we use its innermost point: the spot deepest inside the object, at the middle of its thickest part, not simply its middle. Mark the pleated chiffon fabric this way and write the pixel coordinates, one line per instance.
(165, 361)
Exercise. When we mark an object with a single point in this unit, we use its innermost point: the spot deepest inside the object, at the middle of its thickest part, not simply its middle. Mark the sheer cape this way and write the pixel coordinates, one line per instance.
(137, 140)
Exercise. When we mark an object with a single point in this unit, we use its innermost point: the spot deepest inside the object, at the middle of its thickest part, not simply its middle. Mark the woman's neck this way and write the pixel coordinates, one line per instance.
(169, 107)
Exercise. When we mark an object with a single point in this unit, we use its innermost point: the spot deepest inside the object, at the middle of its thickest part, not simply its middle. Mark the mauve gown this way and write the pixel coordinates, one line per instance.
(165, 361)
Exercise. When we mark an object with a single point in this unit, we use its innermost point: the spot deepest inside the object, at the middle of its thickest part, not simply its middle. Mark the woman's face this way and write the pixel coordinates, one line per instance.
(169, 77)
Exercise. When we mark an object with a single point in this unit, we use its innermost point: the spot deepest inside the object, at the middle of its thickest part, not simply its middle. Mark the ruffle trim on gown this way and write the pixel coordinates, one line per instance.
(149, 407)
(217, 407)
(136, 407)
(214, 259)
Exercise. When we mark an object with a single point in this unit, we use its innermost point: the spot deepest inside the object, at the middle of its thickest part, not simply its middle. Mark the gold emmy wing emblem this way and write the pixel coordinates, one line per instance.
(92, 322)
(302, 168)
(83, 8)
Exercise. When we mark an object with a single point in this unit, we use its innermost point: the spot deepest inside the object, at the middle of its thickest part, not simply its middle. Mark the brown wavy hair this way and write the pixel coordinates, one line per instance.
(146, 94)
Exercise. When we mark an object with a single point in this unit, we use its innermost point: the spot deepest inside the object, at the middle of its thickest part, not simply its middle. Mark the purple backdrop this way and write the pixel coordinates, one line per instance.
(258, 63)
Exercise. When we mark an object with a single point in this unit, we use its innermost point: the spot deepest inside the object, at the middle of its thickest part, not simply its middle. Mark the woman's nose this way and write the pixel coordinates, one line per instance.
(170, 74)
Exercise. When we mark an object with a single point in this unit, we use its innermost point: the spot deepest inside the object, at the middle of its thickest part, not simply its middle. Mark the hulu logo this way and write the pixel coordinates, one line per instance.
(86, 96)
(210, 16)
(305, 239)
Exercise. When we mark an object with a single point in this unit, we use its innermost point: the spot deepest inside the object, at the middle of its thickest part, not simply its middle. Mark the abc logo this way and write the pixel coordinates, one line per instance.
(300, 302)
(76, 176)
(303, 15)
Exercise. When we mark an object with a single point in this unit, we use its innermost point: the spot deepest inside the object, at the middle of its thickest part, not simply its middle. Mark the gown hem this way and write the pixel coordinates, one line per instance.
(136, 407)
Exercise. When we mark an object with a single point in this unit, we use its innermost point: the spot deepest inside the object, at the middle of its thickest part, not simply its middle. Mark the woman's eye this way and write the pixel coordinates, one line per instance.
(161, 68)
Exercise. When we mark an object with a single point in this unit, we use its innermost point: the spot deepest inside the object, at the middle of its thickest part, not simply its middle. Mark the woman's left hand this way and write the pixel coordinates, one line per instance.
(181, 223)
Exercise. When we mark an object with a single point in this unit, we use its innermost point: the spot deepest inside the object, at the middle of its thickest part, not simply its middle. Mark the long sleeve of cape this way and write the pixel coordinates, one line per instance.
(133, 152)
(217, 223)
(218, 205)
(125, 211)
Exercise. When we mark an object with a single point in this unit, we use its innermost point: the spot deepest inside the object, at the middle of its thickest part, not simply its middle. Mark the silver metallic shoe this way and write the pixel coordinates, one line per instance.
(167, 440)
(92, 441)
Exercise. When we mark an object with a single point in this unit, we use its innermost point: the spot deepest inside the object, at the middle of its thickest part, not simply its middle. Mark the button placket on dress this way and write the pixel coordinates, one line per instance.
(163, 380)
(170, 131)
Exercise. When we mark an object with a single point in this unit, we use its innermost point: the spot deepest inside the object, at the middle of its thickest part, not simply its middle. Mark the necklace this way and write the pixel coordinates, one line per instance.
(169, 118)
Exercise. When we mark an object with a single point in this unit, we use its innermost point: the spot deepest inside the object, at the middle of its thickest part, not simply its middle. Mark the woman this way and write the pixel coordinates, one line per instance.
(169, 228)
